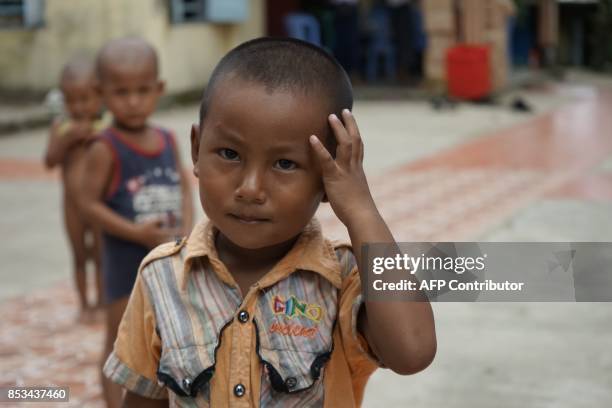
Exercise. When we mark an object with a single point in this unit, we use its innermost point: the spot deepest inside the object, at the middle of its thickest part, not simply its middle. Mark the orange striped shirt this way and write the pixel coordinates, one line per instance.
(188, 334)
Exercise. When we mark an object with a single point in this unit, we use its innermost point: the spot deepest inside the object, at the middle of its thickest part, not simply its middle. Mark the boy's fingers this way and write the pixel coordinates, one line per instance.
(344, 149)
(337, 126)
(323, 157)
(353, 132)
(350, 124)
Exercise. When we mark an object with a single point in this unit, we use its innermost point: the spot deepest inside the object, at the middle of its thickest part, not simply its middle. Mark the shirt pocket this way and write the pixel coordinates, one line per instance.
(294, 324)
(291, 371)
(311, 396)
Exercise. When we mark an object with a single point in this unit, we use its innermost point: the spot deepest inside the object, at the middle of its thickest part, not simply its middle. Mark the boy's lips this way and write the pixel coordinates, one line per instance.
(248, 218)
(135, 118)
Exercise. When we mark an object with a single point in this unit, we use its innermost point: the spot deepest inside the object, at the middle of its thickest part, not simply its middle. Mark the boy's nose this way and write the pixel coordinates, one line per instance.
(133, 100)
(251, 188)
(78, 110)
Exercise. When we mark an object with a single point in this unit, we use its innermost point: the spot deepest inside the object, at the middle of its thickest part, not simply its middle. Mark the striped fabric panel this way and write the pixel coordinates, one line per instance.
(188, 328)
(119, 373)
(211, 301)
(293, 355)
(347, 260)
(314, 396)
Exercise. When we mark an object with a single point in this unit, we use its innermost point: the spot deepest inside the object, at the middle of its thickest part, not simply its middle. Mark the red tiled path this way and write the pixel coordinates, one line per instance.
(595, 187)
(449, 196)
(24, 170)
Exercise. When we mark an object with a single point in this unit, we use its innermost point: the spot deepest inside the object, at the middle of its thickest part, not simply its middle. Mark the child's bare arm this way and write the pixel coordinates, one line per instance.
(55, 147)
(99, 171)
(402, 334)
(133, 400)
(60, 143)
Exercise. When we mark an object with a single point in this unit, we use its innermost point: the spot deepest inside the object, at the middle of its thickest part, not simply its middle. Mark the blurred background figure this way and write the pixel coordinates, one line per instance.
(346, 25)
(381, 50)
(69, 137)
(401, 12)
(136, 192)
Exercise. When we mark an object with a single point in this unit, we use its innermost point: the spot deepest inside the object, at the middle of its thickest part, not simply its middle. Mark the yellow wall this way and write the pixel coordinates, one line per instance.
(31, 59)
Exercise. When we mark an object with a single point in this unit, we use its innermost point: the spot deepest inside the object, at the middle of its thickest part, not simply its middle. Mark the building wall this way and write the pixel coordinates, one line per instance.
(32, 58)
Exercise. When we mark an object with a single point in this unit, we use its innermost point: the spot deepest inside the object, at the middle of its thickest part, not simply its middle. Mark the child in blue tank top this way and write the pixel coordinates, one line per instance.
(135, 190)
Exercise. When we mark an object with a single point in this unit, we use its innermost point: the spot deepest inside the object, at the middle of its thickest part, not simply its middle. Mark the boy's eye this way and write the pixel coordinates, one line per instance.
(228, 154)
(285, 164)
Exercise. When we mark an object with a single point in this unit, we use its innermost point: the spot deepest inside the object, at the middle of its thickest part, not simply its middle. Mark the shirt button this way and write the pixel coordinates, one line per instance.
(239, 390)
(290, 382)
(186, 383)
(243, 316)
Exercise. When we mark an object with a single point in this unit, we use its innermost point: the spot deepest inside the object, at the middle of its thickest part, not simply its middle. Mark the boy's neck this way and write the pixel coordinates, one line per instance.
(255, 259)
(131, 132)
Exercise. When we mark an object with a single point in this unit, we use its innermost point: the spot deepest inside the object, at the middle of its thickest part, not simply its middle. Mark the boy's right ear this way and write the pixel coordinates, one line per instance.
(195, 147)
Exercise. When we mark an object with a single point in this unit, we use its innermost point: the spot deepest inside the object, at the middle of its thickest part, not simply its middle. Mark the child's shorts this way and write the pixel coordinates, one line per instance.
(120, 262)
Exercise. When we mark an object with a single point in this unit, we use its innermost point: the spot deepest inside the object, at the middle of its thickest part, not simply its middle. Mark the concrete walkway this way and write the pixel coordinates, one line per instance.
(475, 172)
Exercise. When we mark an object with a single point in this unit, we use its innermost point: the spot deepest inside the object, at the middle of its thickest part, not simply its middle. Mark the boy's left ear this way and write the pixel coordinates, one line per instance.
(161, 86)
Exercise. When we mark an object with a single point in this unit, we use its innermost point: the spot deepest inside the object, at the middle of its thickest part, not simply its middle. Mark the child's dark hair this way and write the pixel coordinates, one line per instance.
(77, 69)
(284, 64)
(126, 51)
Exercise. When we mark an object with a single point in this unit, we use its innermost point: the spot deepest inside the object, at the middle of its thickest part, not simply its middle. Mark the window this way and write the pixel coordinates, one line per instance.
(187, 10)
(21, 13)
(214, 11)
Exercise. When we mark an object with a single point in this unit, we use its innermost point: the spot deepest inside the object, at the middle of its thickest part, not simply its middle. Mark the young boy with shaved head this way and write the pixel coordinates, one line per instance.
(69, 136)
(256, 308)
(136, 190)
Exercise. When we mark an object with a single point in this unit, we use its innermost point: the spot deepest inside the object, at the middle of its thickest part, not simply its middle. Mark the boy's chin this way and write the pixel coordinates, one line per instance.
(255, 240)
(252, 242)
(131, 126)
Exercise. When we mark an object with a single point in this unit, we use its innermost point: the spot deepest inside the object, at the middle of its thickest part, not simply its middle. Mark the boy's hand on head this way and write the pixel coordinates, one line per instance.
(153, 233)
(345, 182)
(405, 345)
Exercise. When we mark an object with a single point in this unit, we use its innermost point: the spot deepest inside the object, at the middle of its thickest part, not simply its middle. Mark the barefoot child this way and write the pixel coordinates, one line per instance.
(66, 148)
(136, 190)
(256, 308)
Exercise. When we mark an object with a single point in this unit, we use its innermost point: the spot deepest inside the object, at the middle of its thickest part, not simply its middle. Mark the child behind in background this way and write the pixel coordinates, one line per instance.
(66, 148)
(136, 190)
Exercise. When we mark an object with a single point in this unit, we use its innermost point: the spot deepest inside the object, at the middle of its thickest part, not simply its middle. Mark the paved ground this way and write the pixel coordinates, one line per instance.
(476, 172)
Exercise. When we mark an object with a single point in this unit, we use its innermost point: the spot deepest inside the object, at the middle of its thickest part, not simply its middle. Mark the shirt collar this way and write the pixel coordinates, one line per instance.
(311, 252)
